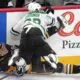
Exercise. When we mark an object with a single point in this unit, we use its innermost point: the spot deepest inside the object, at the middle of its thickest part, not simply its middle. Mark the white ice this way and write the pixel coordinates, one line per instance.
(56, 76)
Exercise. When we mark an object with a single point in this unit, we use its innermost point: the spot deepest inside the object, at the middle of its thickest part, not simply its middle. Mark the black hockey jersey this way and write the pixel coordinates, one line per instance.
(5, 53)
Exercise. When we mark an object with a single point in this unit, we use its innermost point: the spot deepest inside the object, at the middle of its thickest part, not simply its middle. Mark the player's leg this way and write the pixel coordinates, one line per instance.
(20, 62)
(68, 68)
(51, 59)
(22, 66)
(12, 59)
(43, 49)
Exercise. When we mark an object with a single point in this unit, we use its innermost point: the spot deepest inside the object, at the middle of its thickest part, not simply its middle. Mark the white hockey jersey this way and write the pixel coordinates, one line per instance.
(40, 20)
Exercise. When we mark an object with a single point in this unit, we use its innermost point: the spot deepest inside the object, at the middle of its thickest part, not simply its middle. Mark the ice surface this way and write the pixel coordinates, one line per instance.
(58, 76)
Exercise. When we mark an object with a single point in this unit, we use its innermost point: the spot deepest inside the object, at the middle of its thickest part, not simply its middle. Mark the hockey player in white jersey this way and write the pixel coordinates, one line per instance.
(33, 28)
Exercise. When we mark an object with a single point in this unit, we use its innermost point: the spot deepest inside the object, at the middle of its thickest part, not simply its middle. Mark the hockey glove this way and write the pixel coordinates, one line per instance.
(60, 22)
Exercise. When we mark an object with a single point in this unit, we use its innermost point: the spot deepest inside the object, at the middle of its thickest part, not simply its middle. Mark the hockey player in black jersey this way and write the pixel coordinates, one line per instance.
(6, 52)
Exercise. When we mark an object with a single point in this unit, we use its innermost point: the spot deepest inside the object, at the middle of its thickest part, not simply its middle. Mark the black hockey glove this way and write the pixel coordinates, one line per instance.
(61, 23)
(52, 30)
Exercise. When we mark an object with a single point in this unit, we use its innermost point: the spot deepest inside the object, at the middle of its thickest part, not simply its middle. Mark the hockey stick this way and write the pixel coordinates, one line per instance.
(4, 77)
(7, 75)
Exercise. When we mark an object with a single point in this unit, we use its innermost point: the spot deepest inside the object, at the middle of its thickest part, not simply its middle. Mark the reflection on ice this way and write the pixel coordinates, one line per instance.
(43, 77)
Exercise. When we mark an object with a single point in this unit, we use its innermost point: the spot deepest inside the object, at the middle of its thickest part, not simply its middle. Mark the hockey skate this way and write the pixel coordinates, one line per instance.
(51, 59)
(22, 67)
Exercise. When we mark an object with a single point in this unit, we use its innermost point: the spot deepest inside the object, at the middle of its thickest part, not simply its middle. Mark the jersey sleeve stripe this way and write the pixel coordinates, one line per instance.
(14, 32)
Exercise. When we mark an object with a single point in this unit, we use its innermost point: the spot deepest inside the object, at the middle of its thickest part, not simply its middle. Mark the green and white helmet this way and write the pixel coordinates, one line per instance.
(33, 6)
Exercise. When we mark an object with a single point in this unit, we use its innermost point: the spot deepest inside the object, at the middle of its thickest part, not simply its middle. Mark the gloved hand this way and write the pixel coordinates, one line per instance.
(62, 21)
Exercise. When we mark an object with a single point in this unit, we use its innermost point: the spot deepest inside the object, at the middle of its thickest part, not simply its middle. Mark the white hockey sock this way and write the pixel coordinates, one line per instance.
(11, 60)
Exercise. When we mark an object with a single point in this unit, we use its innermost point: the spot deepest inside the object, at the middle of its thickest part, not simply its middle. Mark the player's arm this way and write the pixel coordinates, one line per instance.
(58, 22)
(52, 29)
(53, 24)
(17, 29)
(62, 21)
